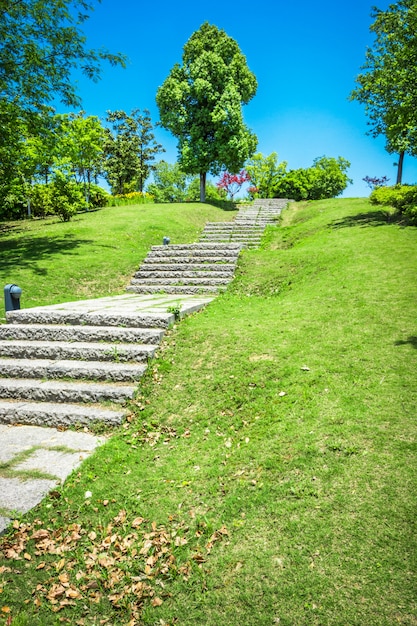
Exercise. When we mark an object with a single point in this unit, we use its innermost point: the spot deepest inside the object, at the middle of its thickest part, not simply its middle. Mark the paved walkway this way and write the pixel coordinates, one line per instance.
(49, 452)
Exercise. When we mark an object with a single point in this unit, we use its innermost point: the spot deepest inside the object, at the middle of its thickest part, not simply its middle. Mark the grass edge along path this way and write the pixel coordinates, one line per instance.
(266, 475)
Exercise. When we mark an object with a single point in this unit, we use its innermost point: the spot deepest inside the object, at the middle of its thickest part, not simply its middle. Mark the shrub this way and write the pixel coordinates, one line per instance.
(98, 197)
(327, 178)
(66, 197)
(403, 198)
(41, 200)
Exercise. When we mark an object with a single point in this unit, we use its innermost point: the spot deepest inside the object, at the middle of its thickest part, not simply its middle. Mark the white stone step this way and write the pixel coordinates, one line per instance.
(80, 370)
(55, 414)
(90, 351)
(64, 391)
(67, 332)
(173, 289)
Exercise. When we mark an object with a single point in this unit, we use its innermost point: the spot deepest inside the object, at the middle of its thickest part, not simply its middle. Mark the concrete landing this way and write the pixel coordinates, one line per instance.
(48, 453)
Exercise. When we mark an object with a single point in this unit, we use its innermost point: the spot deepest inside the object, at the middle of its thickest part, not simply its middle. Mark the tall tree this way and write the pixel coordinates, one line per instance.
(81, 148)
(388, 84)
(41, 42)
(200, 103)
(130, 150)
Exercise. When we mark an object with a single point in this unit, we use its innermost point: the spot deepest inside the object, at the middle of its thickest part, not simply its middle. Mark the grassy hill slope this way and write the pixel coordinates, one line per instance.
(96, 253)
(267, 474)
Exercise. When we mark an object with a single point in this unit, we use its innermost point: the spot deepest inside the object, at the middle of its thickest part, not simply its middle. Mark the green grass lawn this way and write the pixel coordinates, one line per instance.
(96, 253)
(266, 474)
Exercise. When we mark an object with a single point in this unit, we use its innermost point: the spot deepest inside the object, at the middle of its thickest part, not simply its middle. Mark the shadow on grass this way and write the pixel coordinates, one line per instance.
(372, 218)
(225, 205)
(27, 251)
(412, 341)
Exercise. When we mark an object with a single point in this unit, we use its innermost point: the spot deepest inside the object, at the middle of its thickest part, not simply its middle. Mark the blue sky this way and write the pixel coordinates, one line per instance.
(304, 54)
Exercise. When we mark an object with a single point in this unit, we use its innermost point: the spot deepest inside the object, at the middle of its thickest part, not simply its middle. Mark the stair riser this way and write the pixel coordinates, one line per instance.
(75, 371)
(75, 352)
(61, 396)
(184, 281)
(169, 289)
(79, 333)
(144, 274)
(51, 417)
(25, 316)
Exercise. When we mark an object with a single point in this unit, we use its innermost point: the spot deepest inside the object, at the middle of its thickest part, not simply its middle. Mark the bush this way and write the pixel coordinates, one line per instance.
(66, 196)
(403, 198)
(327, 178)
(98, 197)
(41, 201)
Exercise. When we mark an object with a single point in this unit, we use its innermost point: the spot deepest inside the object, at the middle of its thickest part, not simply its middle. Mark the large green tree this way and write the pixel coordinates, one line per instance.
(200, 103)
(387, 85)
(41, 43)
(131, 148)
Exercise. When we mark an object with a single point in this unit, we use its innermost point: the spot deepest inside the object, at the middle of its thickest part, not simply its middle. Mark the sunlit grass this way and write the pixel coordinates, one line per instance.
(281, 421)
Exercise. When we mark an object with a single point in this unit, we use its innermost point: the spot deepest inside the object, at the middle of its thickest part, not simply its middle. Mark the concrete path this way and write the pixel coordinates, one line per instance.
(47, 453)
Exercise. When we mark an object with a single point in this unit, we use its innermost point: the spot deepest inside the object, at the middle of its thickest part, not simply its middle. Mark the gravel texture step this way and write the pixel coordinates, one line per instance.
(64, 391)
(79, 370)
(53, 414)
(57, 332)
(171, 289)
(85, 351)
(181, 280)
(165, 273)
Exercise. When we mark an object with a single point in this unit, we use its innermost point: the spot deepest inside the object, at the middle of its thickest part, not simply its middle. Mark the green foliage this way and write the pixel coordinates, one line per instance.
(170, 183)
(388, 85)
(130, 150)
(41, 200)
(130, 199)
(66, 197)
(327, 178)
(213, 193)
(265, 173)
(98, 197)
(403, 198)
(41, 43)
(200, 103)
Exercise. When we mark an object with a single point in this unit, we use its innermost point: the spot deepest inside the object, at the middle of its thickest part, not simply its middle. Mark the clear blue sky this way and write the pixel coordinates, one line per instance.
(304, 54)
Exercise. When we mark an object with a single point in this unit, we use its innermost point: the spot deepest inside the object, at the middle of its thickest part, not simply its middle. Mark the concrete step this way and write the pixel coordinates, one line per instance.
(226, 268)
(174, 289)
(181, 280)
(79, 370)
(191, 261)
(217, 251)
(129, 320)
(218, 272)
(64, 391)
(196, 247)
(51, 414)
(85, 351)
(58, 332)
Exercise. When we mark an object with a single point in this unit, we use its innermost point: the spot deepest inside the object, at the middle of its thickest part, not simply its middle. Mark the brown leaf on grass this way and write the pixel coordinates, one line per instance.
(137, 522)
(40, 535)
(156, 601)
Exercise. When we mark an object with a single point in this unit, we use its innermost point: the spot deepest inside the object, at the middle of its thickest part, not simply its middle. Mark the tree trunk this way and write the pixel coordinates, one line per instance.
(400, 168)
(203, 186)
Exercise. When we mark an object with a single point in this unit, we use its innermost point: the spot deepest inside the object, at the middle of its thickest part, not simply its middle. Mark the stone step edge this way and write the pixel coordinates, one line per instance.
(54, 414)
(65, 391)
(74, 370)
(73, 332)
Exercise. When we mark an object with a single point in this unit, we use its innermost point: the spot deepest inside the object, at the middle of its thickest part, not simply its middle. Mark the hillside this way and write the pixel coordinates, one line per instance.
(267, 473)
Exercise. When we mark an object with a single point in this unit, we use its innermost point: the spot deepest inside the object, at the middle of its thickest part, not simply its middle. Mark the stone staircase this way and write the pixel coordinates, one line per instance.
(70, 372)
(248, 226)
(78, 363)
(187, 269)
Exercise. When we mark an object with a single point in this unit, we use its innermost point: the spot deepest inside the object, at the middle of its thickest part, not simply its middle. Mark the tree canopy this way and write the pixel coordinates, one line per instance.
(388, 84)
(200, 102)
(41, 43)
